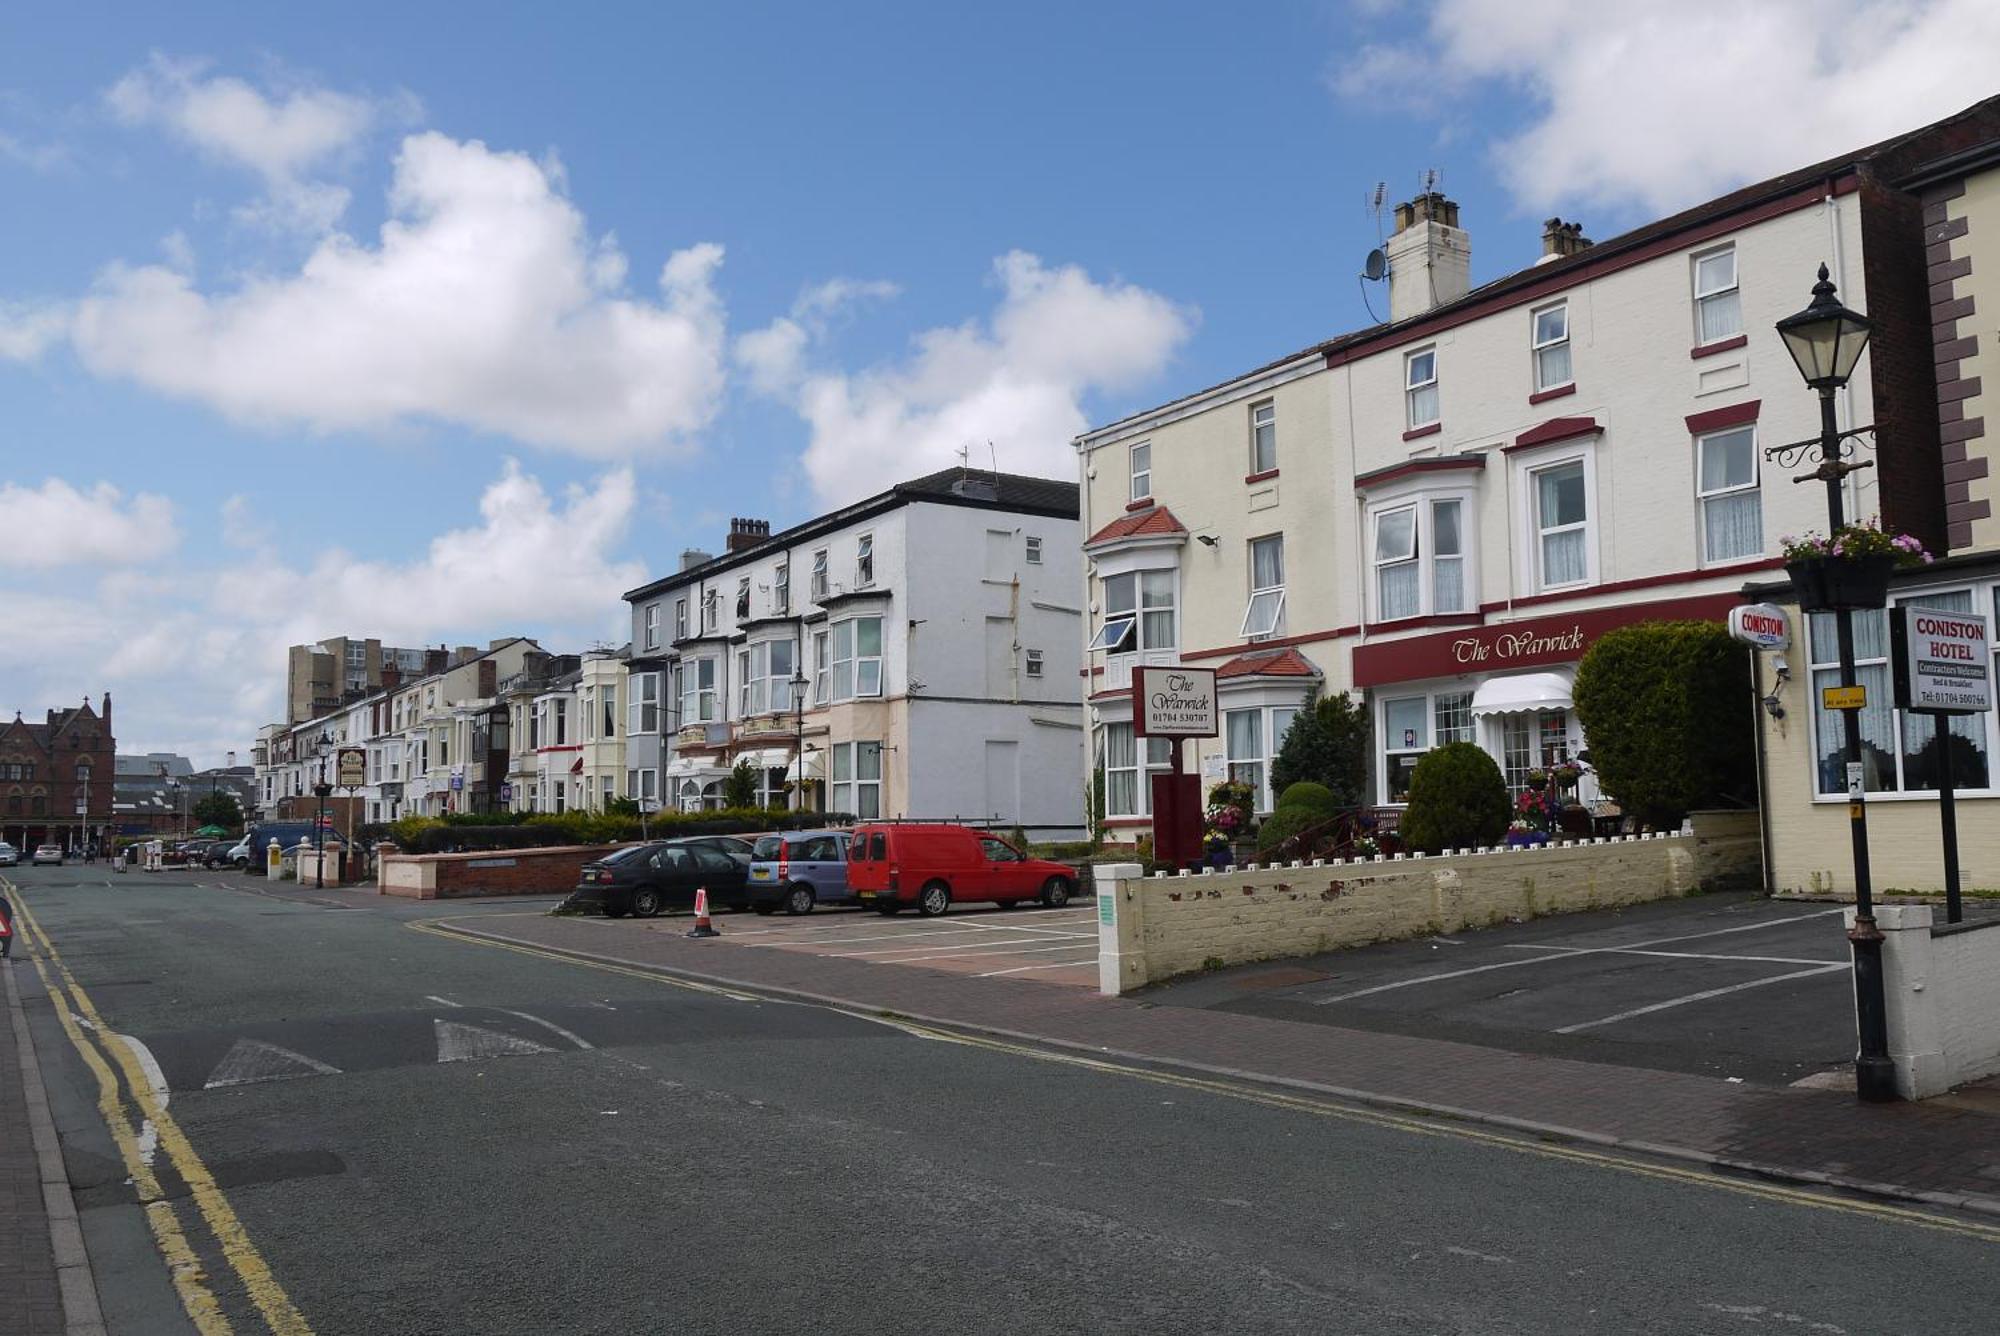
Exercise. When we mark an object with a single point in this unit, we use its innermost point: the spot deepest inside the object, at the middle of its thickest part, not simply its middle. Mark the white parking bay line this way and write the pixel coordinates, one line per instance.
(972, 948)
(1562, 954)
(1702, 996)
(971, 952)
(1052, 965)
(1663, 955)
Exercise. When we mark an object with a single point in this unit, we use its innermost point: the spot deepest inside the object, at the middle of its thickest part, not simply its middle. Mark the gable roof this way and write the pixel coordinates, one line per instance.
(1286, 662)
(1153, 520)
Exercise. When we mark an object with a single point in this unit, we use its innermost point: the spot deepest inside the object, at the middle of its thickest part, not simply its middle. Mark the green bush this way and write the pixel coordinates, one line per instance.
(739, 787)
(1327, 744)
(545, 829)
(1458, 800)
(1286, 822)
(1668, 713)
(1314, 797)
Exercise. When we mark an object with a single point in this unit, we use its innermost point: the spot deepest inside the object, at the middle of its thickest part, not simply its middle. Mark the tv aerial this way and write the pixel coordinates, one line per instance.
(1376, 267)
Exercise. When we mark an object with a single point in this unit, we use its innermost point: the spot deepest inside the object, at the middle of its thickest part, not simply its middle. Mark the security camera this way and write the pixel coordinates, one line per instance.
(1782, 669)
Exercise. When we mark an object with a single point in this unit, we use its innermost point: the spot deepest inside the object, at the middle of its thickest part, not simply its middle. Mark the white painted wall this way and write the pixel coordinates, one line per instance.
(1942, 986)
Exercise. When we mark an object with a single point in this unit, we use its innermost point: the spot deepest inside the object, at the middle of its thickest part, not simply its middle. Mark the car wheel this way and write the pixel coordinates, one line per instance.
(645, 903)
(799, 900)
(934, 899)
(1055, 892)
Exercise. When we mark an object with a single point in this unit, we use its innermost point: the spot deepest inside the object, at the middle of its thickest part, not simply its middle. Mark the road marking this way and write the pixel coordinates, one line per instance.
(1056, 965)
(972, 952)
(552, 1027)
(1323, 1107)
(1446, 974)
(249, 1265)
(149, 1136)
(1699, 997)
(471, 1043)
(1665, 955)
(441, 1001)
(973, 947)
(250, 1061)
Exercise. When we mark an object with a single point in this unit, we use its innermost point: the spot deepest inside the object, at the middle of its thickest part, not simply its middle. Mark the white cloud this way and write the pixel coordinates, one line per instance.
(484, 303)
(1643, 107)
(26, 332)
(281, 137)
(195, 656)
(1017, 381)
(59, 525)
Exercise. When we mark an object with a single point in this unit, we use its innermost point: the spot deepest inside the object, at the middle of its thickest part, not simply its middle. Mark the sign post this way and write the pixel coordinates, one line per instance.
(1942, 662)
(1175, 703)
(351, 770)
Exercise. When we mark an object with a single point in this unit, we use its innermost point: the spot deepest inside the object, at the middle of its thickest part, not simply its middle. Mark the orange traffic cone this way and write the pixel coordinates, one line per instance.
(702, 927)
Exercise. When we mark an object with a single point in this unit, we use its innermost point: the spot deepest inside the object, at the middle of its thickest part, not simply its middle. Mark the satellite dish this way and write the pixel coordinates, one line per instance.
(1377, 265)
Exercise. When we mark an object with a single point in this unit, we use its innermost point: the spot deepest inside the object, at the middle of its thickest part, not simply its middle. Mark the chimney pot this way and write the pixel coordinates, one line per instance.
(1430, 258)
(1561, 239)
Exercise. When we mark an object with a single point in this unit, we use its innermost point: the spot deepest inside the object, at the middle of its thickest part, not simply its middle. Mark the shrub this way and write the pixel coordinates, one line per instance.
(1326, 744)
(1314, 797)
(739, 788)
(1457, 800)
(1286, 822)
(1666, 708)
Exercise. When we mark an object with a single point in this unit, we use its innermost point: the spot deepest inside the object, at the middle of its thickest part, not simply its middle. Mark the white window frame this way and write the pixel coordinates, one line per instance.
(822, 666)
(1264, 436)
(764, 690)
(1414, 389)
(742, 598)
(1150, 756)
(781, 588)
(1531, 518)
(1138, 633)
(1034, 549)
(1140, 459)
(699, 703)
(1716, 297)
(1703, 496)
(852, 670)
(1407, 555)
(1462, 727)
(1264, 615)
(680, 618)
(653, 625)
(643, 705)
(711, 610)
(819, 575)
(1539, 344)
(864, 561)
(1270, 737)
(849, 788)
(1423, 552)
(1034, 663)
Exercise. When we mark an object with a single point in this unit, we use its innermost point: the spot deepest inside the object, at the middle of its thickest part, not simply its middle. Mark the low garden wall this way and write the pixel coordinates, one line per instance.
(1153, 928)
(1941, 983)
(492, 872)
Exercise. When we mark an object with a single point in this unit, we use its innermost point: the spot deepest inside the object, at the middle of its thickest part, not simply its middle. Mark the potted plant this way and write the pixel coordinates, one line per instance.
(1231, 806)
(1849, 569)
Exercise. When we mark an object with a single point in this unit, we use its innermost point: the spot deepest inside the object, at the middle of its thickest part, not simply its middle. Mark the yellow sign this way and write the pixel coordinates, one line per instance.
(1843, 698)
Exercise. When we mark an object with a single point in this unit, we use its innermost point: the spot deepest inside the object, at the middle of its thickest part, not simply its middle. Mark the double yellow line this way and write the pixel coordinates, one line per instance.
(1325, 1108)
(76, 1011)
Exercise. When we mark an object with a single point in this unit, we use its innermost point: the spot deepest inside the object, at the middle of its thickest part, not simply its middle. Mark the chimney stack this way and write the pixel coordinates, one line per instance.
(1430, 257)
(693, 557)
(1561, 239)
(747, 533)
(392, 679)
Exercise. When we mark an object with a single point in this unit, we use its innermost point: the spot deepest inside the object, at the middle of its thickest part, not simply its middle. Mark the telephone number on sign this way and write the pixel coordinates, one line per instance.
(1965, 698)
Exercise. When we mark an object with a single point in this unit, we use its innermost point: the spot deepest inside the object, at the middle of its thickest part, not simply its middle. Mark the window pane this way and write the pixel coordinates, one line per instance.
(1398, 590)
(1121, 593)
(1454, 717)
(1448, 585)
(1721, 316)
(1119, 747)
(1444, 528)
(1396, 535)
(868, 761)
(1878, 760)
(869, 633)
(1552, 366)
(1728, 460)
(1157, 588)
(1281, 724)
(1158, 632)
(1403, 724)
(1261, 618)
(1735, 526)
(1561, 495)
(868, 678)
(1423, 405)
(1142, 458)
(1563, 558)
(1422, 368)
(843, 762)
(1245, 734)
(1121, 792)
(1267, 563)
(1715, 272)
(1552, 325)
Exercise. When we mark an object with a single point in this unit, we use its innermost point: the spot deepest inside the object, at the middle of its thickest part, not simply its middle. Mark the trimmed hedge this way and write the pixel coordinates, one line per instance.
(1669, 717)
(1458, 800)
(547, 829)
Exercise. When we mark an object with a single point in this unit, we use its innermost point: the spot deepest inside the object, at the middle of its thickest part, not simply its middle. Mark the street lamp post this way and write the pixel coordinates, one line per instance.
(320, 791)
(1826, 340)
(798, 685)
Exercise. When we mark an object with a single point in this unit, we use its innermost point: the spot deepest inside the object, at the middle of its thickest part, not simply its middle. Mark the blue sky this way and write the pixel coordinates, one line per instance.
(650, 266)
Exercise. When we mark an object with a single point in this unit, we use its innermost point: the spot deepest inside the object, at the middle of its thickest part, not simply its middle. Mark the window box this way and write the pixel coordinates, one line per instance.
(1829, 584)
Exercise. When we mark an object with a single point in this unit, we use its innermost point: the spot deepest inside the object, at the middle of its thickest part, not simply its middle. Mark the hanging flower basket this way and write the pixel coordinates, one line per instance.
(1829, 584)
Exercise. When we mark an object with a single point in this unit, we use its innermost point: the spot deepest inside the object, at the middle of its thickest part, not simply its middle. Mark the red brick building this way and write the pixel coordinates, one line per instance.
(56, 778)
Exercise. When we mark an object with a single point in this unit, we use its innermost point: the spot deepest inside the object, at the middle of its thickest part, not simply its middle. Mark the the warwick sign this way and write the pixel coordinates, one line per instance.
(1528, 643)
(1175, 703)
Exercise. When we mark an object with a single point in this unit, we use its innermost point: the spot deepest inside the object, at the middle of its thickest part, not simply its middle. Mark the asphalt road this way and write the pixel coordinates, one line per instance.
(418, 1135)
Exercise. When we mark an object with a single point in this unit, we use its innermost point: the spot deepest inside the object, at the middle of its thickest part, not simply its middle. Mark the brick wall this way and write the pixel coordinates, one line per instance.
(500, 872)
(1942, 984)
(1902, 374)
(1153, 928)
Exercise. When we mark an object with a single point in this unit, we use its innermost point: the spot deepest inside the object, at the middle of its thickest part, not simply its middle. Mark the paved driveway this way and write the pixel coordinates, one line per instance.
(1723, 985)
(1055, 946)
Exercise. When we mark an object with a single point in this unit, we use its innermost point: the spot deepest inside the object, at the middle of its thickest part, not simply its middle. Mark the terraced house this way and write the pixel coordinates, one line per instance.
(913, 654)
(1443, 513)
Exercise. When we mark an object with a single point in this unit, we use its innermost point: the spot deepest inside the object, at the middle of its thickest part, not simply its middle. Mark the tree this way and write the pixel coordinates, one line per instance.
(218, 809)
(1667, 715)
(1458, 800)
(1326, 744)
(740, 788)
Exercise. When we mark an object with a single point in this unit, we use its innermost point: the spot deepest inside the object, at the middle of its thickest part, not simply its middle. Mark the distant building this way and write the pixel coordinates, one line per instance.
(320, 677)
(56, 778)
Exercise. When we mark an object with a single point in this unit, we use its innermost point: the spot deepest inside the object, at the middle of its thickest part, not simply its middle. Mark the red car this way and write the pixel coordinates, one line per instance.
(891, 867)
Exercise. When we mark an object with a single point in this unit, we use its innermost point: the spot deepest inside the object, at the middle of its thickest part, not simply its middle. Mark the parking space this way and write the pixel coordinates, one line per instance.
(1725, 985)
(1052, 946)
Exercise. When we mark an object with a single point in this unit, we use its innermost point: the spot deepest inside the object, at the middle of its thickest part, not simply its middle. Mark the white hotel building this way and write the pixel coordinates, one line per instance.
(933, 631)
(1442, 513)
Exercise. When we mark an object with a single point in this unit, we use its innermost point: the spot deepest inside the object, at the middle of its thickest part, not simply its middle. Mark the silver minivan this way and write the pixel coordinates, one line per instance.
(794, 870)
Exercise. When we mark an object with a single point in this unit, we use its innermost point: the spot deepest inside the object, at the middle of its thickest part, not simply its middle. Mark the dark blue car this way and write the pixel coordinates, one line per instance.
(797, 869)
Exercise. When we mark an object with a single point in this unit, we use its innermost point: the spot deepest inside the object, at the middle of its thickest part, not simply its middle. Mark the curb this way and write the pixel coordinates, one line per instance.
(1722, 1165)
(78, 1285)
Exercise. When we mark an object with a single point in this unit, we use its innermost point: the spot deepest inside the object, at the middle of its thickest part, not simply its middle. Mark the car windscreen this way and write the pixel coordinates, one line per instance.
(619, 856)
(768, 849)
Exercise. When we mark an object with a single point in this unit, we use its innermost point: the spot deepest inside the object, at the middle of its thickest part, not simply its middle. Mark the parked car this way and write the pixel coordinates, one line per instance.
(48, 853)
(643, 879)
(226, 853)
(9, 855)
(932, 867)
(797, 869)
(289, 834)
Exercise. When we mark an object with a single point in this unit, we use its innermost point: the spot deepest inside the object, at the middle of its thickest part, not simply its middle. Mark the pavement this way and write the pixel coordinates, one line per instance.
(371, 1116)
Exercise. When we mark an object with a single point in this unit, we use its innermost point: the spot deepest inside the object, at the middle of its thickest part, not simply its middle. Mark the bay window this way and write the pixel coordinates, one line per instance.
(857, 779)
(1138, 612)
(1128, 785)
(766, 671)
(1266, 614)
(697, 691)
(1732, 509)
(857, 658)
(1251, 737)
(1419, 558)
(1411, 725)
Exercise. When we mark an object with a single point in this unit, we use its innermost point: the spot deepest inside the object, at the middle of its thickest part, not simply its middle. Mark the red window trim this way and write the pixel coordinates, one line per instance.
(1143, 503)
(1716, 419)
(1417, 433)
(1719, 346)
(1265, 476)
(1543, 396)
(1395, 472)
(1552, 432)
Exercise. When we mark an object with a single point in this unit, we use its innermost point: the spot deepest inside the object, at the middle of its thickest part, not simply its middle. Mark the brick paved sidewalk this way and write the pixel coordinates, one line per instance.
(30, 1299)
(1942, 1155)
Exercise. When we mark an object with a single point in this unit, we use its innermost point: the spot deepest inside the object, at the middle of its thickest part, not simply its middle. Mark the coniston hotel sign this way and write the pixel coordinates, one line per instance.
(1529, 643)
